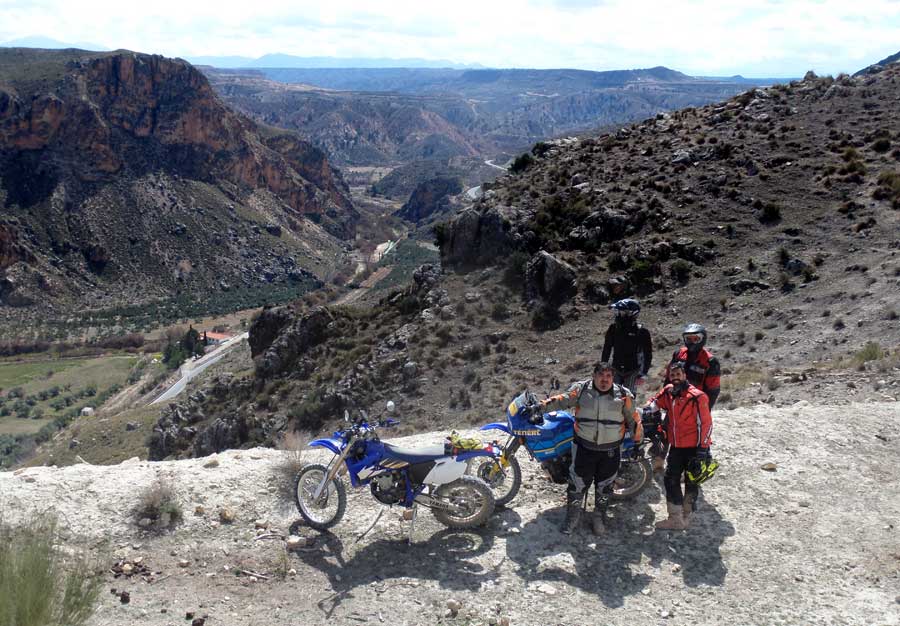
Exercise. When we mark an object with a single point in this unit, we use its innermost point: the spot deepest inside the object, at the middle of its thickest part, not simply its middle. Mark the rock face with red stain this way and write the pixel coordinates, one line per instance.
(122, 162)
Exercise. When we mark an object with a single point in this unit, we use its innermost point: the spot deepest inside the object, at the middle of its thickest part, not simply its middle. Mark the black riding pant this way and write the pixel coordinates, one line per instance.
(676, 465)
(592, 466)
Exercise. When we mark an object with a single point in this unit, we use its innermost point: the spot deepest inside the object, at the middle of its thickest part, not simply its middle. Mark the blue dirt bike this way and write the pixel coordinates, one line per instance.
(549, 441)
(432, 476)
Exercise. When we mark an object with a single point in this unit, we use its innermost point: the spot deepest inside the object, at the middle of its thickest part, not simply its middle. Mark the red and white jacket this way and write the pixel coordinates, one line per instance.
(689, 423)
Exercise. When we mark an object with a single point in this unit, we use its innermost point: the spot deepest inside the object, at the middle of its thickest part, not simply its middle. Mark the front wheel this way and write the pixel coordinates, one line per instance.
(503, 481)
(328, 509)
(470, 500)
(632, 478)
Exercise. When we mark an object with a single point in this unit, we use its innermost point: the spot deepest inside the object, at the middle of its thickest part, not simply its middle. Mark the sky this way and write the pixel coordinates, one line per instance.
(755, 38)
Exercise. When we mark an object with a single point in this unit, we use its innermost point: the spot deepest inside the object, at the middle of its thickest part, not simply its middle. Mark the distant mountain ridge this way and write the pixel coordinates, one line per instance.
(397, 115)
(48, 43)
(291, 61)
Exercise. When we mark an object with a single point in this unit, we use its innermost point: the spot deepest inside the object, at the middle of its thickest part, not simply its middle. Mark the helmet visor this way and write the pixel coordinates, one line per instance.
(692, 338)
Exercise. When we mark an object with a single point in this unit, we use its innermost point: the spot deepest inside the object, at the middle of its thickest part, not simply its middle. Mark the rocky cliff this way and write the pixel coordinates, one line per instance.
(109, 163)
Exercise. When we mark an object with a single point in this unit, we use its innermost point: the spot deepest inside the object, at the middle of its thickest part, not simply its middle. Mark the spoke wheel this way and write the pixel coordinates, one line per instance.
(471, 500)
(326, 510)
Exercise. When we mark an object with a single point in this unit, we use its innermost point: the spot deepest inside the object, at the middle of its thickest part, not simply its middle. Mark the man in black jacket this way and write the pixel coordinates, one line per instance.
(629, 344)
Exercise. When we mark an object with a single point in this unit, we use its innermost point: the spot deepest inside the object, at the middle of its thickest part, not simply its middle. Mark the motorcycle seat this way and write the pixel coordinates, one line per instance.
(415, 455)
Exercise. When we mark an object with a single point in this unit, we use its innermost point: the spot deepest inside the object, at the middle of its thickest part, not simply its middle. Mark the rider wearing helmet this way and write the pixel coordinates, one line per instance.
(688, 430)
(603, 412)
(702, 368)
(629, 344)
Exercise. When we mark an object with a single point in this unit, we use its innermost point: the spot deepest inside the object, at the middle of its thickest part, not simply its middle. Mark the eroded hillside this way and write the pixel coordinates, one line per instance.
(125, 180)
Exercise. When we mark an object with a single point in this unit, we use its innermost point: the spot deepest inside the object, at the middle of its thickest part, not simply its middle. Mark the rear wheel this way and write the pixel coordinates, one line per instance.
(326, 510)
(470, 500)
(632, 478)
(503, 481)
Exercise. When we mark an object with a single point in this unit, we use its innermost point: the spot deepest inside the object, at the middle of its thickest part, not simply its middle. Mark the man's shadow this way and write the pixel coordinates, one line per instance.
(446, 557)
(604, 566)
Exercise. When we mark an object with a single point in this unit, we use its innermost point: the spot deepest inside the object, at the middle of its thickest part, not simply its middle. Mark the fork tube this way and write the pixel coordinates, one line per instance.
(336, 464)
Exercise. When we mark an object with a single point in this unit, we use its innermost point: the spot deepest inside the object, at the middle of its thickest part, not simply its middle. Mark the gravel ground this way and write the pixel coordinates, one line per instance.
(813, 542)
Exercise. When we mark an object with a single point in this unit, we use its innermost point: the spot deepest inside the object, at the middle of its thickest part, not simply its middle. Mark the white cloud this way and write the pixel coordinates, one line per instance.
(696, 36)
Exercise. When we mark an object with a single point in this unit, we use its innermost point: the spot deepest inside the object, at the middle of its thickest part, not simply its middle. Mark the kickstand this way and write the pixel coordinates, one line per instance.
(412, 523)
(371, 526)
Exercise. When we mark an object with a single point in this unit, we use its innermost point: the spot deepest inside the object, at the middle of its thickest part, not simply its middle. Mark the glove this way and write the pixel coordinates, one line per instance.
(702, 453)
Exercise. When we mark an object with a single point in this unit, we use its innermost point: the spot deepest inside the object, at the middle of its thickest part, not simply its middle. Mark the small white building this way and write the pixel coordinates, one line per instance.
(87, 411)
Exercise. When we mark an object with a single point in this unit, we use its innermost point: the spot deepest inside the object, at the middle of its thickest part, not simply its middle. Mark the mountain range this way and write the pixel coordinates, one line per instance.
(124, 180)
(392, 116)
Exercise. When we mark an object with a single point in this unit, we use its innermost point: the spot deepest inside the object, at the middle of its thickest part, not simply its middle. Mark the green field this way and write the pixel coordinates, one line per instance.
(35, 392)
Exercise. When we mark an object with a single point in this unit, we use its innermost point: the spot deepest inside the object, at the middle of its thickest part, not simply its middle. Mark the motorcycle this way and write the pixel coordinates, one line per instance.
(432, 476)
(549, 442)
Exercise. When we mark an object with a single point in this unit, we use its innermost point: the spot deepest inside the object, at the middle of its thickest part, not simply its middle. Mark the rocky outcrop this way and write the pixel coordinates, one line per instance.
(481, 235)
(291, 343)
(549, 279)
(428, 198)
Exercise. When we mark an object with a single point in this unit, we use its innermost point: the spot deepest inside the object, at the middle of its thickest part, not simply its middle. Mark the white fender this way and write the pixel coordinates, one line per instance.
(445, 471)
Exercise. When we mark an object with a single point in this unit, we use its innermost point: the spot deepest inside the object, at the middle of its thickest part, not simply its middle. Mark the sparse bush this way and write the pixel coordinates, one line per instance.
(545, 317)
(36, 586)
(681, 270)
(838, 324)
(870, 352)
(286, 468)
(522, 163)
(888, 188)
(771, 212)
(499, 311)
(157, 507)
(881, 145)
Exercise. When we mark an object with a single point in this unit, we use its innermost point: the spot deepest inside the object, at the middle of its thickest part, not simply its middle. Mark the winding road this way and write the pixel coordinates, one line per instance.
(192, 368)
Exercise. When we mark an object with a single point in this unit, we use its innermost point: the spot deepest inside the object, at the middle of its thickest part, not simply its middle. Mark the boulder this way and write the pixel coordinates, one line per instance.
(478, 236)
(746, 284)
(550, 279)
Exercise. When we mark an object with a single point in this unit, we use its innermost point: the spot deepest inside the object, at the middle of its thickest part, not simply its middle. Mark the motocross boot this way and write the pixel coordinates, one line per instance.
(676, 518)
(688, 508)
(598, 522)
(573, 512)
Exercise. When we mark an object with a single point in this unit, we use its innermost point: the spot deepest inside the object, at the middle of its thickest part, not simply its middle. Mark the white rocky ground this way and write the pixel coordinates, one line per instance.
(813, 542)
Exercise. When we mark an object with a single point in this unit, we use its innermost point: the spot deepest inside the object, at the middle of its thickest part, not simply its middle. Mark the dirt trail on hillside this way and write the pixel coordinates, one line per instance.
(813, 542)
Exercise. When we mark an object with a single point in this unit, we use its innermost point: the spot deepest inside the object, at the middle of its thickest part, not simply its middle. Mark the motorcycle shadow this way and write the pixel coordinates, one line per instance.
(448, 557)
(615, 565)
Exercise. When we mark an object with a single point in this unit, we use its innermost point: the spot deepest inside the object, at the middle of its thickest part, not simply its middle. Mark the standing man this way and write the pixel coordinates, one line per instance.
(603, 412)
(702, 368)
(629, 344)
(688, 429)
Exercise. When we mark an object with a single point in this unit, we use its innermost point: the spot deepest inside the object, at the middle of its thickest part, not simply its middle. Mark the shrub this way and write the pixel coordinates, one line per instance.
(869, 352)
(157, 503)
(285, 469)
(499, 311)
(36, 586)
(514, 272)
(771, 212)
(681, 270)
(522, 163)
(881, 145)
(888, 188)
(545, 317)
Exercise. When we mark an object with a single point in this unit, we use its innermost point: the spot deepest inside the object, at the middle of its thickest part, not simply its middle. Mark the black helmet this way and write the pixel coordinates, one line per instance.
(626, 309)
(694, 337)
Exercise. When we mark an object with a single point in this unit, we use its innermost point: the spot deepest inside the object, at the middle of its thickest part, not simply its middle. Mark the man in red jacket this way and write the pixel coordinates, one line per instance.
(688, 430)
